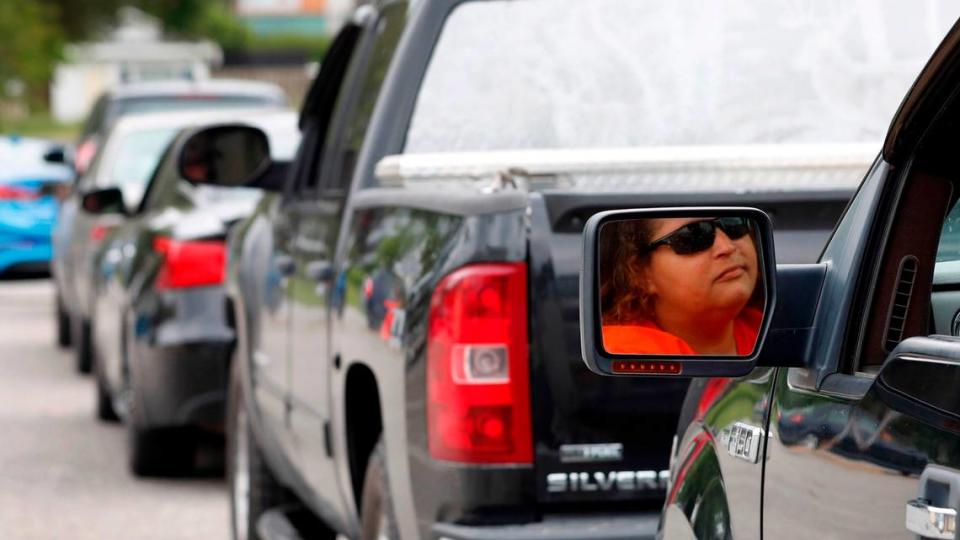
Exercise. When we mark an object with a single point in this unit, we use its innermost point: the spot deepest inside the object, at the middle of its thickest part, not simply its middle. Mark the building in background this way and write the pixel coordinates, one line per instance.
(294, 17)
(294, 30)
(134, 50)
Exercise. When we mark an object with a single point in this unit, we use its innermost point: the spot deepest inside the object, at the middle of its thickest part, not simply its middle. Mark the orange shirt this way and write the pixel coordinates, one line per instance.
(648, 338)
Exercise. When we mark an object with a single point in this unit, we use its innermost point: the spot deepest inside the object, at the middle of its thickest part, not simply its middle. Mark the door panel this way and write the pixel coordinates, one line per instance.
(270, 353)
(846, 468)
(318, 222)
(716, 488)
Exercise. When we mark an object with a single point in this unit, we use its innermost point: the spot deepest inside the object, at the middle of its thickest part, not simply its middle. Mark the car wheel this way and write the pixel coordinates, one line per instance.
(253, 488)
(84, 346)
(105, 410)
(377, 520)
(161, 451)
(158, 451)
(63, 324)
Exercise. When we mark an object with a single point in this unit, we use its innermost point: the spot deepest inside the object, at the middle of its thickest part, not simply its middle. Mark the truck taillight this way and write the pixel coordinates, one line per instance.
(194, 263)
(478, 373)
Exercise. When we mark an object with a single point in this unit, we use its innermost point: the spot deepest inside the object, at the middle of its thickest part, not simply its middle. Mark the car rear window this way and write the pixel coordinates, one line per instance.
(625, 73)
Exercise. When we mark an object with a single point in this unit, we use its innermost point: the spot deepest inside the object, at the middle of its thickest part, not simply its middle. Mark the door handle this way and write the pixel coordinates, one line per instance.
(931, 521)
(284, 264)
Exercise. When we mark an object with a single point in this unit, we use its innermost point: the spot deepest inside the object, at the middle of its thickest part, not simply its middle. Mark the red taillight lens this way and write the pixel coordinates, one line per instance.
(478, 372)
(190, 263)
(99, 232)
(13, 193)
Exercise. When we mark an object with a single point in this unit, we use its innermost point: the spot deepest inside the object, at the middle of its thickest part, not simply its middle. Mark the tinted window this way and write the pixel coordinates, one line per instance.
(94, 122)
(949, 249)
(362, 99)
(615, 73)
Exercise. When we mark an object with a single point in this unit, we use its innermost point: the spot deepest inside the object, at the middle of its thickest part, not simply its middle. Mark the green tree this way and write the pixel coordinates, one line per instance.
(210, 19)
(80, 20)
(30, 43)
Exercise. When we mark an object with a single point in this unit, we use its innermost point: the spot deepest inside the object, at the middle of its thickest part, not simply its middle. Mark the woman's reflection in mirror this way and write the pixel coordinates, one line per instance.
(680, 286)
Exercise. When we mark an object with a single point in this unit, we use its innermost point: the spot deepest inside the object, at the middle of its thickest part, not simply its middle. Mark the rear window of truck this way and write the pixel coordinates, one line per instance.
(625, 73)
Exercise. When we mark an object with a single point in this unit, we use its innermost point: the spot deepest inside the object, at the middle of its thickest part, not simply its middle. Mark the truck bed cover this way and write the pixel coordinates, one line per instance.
(698, 169)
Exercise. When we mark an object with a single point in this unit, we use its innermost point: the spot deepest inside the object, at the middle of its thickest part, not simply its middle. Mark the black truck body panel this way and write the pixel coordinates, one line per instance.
(325, 377)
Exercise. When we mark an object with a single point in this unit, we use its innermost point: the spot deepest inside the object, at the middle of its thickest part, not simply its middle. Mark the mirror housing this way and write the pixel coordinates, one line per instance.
(687, 364)
(919, 379)
(58, 155)
(104, 201)
(226, 155)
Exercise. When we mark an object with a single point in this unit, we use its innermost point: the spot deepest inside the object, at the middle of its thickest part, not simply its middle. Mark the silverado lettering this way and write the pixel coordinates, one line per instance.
(607, 481)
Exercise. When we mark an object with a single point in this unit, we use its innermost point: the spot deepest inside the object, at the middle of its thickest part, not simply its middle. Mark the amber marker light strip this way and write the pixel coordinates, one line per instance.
(640, 367)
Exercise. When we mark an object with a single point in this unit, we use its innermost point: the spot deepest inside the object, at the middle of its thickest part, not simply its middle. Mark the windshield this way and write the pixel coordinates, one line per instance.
(625, 73)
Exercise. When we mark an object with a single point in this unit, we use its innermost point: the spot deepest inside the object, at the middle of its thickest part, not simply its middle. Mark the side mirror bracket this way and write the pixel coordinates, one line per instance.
(104, 201)
(787, 343)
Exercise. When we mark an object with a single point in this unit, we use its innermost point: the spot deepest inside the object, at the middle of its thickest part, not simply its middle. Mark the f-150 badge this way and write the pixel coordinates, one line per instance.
(742, 441)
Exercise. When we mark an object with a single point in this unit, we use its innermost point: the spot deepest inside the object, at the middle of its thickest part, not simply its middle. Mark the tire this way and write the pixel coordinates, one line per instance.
(104, 401)
(161, 451)
(64, 330)
(377, 520)
(83, 348)
(158, 451)
(252, 487)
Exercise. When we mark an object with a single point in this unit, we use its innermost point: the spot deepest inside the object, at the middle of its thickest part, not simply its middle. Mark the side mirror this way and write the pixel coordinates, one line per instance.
(104, 201)
(224, 155)
(919, 378)
(57, 155)
(676, 291)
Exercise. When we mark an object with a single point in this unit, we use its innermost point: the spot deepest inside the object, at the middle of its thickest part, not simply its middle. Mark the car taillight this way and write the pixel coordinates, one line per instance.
(13, 193)
(99, 232)
(194, 263)
(478, 373)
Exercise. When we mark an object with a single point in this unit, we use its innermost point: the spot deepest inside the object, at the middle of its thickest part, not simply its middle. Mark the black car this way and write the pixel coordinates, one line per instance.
(168, 96)
(75, 228)
(844, 421)
(161, 338)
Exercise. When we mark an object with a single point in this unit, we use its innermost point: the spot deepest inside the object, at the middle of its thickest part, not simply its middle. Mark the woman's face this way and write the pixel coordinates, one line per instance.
(712, 284)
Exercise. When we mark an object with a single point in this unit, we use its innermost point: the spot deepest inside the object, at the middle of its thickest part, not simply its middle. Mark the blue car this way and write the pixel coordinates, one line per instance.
(29, 198)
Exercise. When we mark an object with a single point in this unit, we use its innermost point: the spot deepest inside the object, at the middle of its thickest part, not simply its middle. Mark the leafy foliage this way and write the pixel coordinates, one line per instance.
(30, 42)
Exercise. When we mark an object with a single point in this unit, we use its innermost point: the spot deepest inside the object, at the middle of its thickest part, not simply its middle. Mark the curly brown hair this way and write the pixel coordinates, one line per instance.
(623, 259)
(623, 299)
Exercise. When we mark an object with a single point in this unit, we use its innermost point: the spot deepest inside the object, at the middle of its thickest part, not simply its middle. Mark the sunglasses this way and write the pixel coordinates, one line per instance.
(700, 235)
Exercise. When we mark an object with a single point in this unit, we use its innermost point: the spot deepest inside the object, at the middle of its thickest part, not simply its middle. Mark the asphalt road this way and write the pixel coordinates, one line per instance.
(63, 474)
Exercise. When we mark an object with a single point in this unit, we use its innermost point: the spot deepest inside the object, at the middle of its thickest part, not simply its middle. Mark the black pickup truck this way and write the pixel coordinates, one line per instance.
(406, 303)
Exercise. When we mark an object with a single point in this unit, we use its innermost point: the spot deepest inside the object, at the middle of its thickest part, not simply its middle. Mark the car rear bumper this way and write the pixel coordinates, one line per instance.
(565, 527)
(32, 257)
(182, 385)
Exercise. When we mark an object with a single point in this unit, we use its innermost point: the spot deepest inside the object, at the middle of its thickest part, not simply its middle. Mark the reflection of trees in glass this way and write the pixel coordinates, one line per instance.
(949, 249)
(391, 27)
(438, 232)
